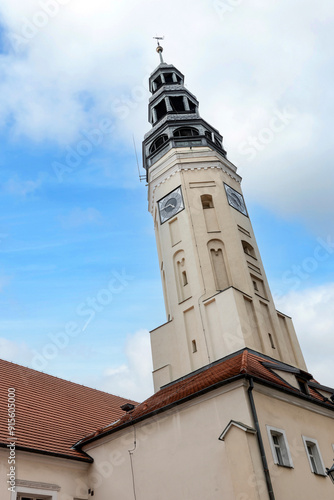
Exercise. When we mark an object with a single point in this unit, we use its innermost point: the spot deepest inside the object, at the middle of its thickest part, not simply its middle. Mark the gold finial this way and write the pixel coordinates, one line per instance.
(159, 49)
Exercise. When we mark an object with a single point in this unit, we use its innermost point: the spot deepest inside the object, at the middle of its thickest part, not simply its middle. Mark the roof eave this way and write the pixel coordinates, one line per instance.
(86, 458)
(217, 385)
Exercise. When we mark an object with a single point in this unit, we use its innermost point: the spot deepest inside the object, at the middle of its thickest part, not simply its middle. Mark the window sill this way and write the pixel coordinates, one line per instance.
(184, 300)
(261, 296)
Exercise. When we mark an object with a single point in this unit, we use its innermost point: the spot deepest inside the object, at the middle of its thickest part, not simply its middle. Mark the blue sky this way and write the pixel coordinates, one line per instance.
(70, 224)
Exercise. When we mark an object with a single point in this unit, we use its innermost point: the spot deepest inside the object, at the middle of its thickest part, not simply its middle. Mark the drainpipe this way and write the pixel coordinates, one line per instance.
(260, 441)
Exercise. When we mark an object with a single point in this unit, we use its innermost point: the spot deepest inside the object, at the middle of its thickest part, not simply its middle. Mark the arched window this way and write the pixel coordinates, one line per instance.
(206, 200)
(185, 132)
(159, 141)
(248, 249)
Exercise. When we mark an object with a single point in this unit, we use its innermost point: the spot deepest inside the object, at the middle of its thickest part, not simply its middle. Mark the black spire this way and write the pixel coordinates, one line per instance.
(174, 115)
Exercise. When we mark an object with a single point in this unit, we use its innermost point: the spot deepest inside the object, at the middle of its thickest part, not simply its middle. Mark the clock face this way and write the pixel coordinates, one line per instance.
(236, 200)
(171, 205)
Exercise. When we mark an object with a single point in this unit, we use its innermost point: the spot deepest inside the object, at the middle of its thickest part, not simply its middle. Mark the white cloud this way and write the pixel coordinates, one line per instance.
(21, 188)
(10, 351)
(79, 217)
(89, 60)
(312, 314)
(134, 378)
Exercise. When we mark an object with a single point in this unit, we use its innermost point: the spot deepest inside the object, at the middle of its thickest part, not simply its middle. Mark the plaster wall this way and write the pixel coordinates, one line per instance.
(177, 454)
(35, 474)
(297, 418)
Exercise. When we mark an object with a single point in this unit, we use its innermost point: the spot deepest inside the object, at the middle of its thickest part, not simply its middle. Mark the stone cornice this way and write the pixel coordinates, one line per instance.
(184, 167)
(24, 483)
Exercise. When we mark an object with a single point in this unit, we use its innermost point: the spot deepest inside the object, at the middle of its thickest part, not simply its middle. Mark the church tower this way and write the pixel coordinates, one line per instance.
(216, 293)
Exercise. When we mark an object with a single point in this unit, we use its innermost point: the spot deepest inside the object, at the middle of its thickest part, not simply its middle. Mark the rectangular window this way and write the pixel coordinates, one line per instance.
(279, 447)
(314, 456)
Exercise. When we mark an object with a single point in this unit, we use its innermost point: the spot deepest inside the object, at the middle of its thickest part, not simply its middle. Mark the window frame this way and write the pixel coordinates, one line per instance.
(33, 492)
(154, 148)
(191, 129)
(319, 468)
(33, 496)
(283, 447)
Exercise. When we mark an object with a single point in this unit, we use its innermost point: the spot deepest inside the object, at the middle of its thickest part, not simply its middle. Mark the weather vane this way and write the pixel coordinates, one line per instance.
(159, 48)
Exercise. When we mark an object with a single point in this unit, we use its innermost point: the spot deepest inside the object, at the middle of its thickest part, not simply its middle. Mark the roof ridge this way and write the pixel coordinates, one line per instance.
(244, 362)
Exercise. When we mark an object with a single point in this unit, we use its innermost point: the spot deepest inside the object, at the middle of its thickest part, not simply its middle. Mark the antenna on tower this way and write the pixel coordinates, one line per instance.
(159, 49)
(141, 177)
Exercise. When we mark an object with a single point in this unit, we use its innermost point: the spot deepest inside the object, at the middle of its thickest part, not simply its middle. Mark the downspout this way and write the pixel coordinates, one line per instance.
(260, 441)
(131, 459)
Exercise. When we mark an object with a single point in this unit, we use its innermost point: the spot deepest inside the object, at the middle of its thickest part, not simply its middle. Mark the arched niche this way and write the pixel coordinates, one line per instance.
(181, 276)
(218, 262)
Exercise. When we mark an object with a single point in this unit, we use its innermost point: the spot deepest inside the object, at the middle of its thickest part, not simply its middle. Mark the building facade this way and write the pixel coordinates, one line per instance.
(235, 414)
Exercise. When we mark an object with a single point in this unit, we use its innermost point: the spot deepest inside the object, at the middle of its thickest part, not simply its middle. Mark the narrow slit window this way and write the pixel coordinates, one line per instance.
(194, 345)
(184, 278)
(256, 288)
(271, 341)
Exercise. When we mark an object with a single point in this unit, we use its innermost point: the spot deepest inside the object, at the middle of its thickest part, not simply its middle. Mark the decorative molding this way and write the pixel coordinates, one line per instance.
(183, 168)
(37, 485)
(239, 425)
(174, 118)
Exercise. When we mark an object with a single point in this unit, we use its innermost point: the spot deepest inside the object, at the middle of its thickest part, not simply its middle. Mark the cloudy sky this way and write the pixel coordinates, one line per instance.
(73, 214)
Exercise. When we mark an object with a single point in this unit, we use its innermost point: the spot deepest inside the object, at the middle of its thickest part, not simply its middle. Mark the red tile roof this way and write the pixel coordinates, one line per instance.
(52, 414)
(242, 363)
